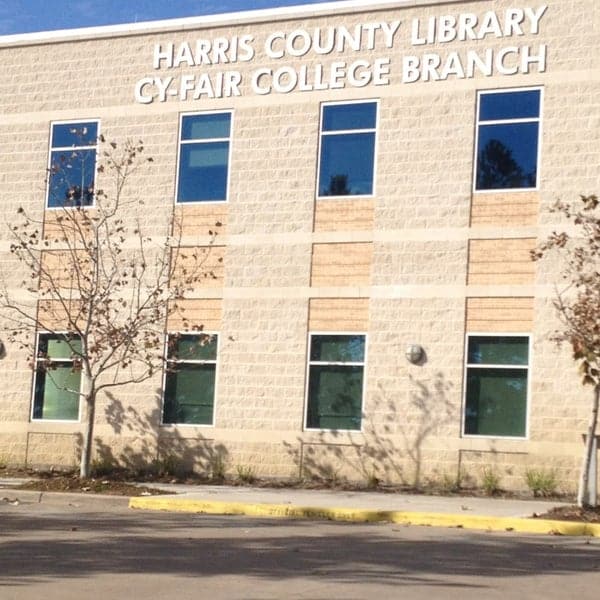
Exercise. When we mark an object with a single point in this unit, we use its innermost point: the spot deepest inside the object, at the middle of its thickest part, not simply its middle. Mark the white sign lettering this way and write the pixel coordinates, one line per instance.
(289, 46)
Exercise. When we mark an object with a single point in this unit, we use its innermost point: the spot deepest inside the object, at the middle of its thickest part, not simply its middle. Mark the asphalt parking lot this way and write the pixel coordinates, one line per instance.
(70, 546)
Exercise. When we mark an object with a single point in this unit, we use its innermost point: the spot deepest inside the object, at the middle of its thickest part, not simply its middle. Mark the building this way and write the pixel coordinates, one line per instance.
(381, 173)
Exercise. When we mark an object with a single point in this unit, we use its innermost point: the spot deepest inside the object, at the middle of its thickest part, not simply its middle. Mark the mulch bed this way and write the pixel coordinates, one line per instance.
(72, 483)
(118, 483)
(572, 513)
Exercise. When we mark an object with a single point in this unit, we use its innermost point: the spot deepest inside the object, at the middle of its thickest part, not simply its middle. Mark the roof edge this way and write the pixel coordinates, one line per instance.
(205, 21)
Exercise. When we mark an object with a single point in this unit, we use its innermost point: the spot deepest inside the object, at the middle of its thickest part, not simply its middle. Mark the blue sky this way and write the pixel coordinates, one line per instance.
(23, 16)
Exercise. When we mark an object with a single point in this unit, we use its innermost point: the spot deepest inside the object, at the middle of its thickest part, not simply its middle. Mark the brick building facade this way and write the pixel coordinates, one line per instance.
(354, 156)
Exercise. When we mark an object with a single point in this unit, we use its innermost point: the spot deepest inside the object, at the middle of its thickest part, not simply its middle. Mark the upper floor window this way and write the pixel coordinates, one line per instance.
(189, 393)
(57, 378)
(72, 164)
(496, 385)
(347, 149)
(335, 381)
(508, 139)
(204, 148)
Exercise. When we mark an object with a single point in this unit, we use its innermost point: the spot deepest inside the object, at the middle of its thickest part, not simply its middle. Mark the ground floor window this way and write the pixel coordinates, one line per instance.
(335, 381)
(189, 391)
(496, 385)
(57, 380)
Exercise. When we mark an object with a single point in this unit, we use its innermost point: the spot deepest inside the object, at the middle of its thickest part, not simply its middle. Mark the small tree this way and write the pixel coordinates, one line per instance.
(578, 304)
(98, 283)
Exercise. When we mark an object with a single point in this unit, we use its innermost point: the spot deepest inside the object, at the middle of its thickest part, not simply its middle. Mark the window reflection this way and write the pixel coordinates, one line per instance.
(204, 157)
(347, 151)
(72, 167)
(508, 140)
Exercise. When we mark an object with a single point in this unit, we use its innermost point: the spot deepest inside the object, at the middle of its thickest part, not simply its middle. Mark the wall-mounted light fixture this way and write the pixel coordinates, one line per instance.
(414, 353)
(2, 349)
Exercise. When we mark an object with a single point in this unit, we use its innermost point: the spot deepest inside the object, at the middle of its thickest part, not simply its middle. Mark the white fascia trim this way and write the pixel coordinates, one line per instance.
(205, 21)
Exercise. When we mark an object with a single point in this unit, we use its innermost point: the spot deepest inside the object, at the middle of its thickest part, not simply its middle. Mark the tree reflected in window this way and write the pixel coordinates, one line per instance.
(508, 132)
(496, 169)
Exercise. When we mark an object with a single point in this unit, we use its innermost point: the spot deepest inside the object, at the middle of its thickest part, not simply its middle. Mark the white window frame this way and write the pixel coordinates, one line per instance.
(181, 143)
(34, 382)
(310, 363)
(322, 134)
(526, 368)
(538, 120)
(52, 149)
(167, 360)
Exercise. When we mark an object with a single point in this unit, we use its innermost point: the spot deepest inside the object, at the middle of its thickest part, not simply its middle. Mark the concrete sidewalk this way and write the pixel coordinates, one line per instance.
(490, 514)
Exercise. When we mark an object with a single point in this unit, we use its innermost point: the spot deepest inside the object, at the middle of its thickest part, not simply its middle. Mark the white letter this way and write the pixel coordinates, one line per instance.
(453, 66)
(370, 29)
(231, 83)
(535, 17)
(304, 47)
(512, 22)
(256, 81)
(528, 59)
(184, 55)
(486, 67)
(163, 86)
(466, 26)
(186, 84)
(410, 69)
(489, 24)
(502, 54)
(346, 36)
(360, 79)
(431, 63)
(337, 72)
(139, 90)
(281, 74)
(447, 29)
(166, 55)
(318, 46)
(415, 39)
(389, 31)
(202, 50)
(279, 35)
(220, 47)
(246, 51)
(381, 71)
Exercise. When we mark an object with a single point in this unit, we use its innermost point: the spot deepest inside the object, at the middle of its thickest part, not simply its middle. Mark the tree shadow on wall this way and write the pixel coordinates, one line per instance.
(154, 449)
(393, 439)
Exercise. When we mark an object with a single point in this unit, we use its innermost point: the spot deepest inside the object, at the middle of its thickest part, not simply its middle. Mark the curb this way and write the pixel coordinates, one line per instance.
(513, 524)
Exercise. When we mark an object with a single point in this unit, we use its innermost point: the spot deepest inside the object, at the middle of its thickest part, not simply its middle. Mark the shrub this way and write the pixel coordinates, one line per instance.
(245, 473)
(490, 481)
(541, 482)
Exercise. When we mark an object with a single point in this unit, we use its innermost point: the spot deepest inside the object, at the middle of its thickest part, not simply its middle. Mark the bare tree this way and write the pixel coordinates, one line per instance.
(577, 304)
(97, 284)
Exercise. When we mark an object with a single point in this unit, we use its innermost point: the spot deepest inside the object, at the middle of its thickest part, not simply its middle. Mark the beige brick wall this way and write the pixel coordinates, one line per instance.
(206, 313)
(344, 215)
(502, 261)
(399, 261)
(505, 209)
(338, 314)
(499, 315)
(337, 265)
(200, 266)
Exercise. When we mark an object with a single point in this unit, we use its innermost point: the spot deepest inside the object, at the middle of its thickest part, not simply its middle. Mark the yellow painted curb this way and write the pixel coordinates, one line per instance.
(521, 525)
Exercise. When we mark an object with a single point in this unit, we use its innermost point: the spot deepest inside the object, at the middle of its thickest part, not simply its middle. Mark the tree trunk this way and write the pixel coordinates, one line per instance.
(86, 450)
(583, 498)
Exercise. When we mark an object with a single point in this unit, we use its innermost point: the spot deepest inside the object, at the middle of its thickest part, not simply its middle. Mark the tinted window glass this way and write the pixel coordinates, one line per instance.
(339, 117)
(498, 350)
(337, 348)
(347, 164)
(69, 135)
(507, 156)
(509, 105)
(205, 127)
